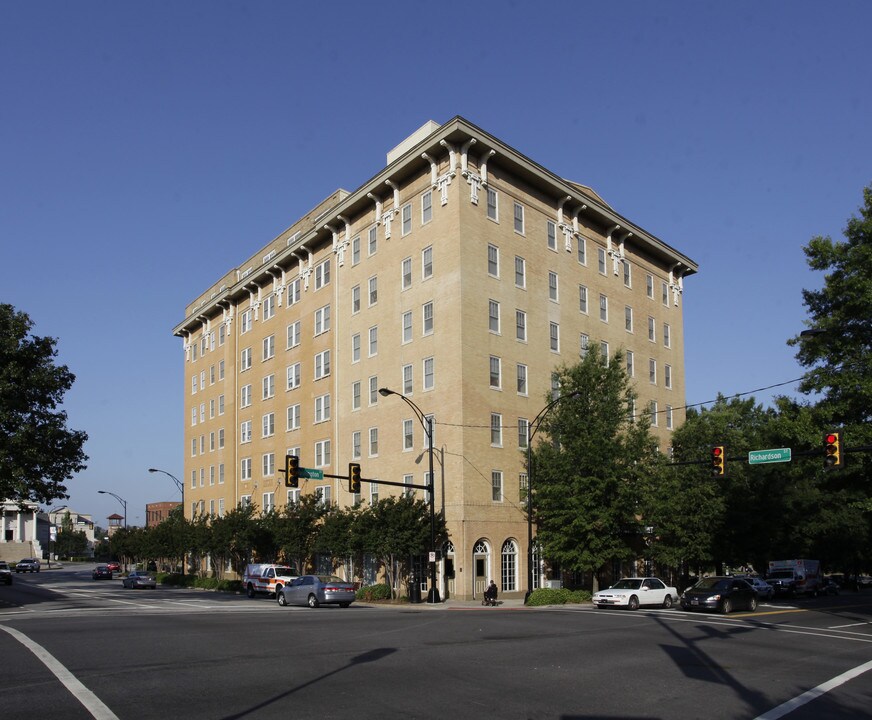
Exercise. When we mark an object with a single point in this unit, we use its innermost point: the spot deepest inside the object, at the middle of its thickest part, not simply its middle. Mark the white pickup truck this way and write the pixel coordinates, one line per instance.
(266, 578)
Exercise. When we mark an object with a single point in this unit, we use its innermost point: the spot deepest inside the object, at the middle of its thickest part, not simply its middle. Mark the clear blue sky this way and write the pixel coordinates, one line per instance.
(148, 147)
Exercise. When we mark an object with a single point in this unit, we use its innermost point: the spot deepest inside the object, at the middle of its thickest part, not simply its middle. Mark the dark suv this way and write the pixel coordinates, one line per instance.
(5, 573)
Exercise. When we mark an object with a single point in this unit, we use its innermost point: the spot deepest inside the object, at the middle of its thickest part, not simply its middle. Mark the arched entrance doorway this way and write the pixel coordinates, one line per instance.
(481, 563)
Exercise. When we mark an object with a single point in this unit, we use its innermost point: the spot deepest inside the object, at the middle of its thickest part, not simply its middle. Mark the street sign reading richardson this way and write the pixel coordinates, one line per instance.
(759, 457)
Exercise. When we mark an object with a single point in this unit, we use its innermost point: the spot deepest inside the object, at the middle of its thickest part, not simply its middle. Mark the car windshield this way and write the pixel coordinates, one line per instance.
(330, 579)
(627, 584)
(285, 571)
(781, 574)
(712, 584)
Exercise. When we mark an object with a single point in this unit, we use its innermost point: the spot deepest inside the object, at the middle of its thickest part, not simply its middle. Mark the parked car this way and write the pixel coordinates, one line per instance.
(139, 579)
(315, 590)
(5, 573)
(114, 566)
(101, 572)
(723, 594)
(632, 593)
(27, 565)
(829, 586)
(764, 590)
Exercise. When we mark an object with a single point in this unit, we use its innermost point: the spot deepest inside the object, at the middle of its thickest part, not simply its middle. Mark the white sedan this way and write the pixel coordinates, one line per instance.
(633, 592)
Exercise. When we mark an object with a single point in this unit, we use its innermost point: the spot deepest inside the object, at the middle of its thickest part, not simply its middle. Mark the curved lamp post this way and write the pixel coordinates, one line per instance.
(427, 423)
(121, 500)
(532, 429)
(179, 486)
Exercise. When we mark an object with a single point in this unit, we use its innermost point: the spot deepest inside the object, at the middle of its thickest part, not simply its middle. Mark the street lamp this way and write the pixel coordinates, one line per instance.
(122, 501)
(532, 429)
(179, 485)
(427, 423)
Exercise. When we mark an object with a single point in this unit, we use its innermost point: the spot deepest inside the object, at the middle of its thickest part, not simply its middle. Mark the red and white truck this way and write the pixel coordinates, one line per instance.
(266, 578)
(795, 577)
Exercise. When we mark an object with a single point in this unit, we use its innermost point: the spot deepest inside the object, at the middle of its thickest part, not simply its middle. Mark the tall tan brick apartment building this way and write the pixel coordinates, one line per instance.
(460, 276)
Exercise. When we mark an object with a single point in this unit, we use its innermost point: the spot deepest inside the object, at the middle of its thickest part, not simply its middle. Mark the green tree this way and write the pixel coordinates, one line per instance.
(297, 535)
(38, 453)
(593, 477)
(70, 542)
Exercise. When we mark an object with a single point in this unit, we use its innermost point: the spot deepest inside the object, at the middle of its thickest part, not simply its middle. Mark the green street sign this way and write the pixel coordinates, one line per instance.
(311, 473)
(760, 457)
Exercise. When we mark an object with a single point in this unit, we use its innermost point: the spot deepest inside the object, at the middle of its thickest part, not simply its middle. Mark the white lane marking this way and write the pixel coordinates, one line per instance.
(836, 627)
(810, 695)
(92, 703)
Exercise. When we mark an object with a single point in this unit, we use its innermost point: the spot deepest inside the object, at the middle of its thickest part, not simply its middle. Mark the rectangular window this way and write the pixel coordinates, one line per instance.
(582, 250)
(520, 272)
(603, 308)
(601, 260)
(429, 373)
(221, 369)
(372, 241)
(406, 214)
(407, 273)
(496, 486)
(322, 320)
(355, 299)
(322, 408)
(667, 376)
(426, 207)
(495, 373)
(355, 347)
(269, 347)
(293, 334)
(268, 385)
(355, 395)
(373, 341)
(631, 370)
(582, 299)
(664, 295)
(322, 364)
(628, 274)
(667, 335)
(373, 390)
(554, 332)
(322, 274)
(268, 425)
(221, 482)
(583, 344)
(193, 385)
(245, 469)
(245, 396)
(293, 417)
(408, 492)
(521, 325)
(551, 230)
(373, 442)
(522, 379)
(493, 261)
(652, 329)
(669, 417)
(269, 307)
(652, 371)
(493, 322)
(294, 372)
(628, 318)
(604, 352)
(220, 438)
(652, 411)
(408, 434)
(649, 285)
(492, 205)
(496, 430)
(373, 291)
(322, 454)
(523, 428)
(245, 359)
(426, 263)
(245, 322)
(355, 444)
(294, 291)
(519, 218)
(355, 250)
(552, 286)
(407, 326)
(222, 334)
(427, 312)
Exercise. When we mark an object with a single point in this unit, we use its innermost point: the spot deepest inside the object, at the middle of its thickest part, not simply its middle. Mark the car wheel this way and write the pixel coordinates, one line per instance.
(313, 601)
(633, 603)
(250, 590)
(752, 604)
(344, 604)
(281, 599)
(726, 606)
(667, 601)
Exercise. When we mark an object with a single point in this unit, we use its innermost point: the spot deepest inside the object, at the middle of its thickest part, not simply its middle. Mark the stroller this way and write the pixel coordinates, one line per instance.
(490, 595)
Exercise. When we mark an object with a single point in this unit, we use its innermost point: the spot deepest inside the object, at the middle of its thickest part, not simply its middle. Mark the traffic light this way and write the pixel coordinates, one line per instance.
(833, 451)
(354, 478)
(292, 471)
(718, 461)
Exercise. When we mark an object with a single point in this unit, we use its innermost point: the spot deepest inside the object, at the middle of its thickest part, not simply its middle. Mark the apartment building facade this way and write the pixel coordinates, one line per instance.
(460, 276)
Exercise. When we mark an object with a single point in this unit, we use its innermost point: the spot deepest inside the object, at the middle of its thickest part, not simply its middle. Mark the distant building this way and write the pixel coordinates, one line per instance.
(80, 523)
(156, 513)
(19, 531)
(461, 275)
(116, 522)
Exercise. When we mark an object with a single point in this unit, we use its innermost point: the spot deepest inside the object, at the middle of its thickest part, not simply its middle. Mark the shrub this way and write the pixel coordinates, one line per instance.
(370, 593)
(551, 596)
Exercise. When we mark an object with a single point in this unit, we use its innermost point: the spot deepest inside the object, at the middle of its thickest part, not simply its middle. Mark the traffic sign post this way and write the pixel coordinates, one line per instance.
(775, 455)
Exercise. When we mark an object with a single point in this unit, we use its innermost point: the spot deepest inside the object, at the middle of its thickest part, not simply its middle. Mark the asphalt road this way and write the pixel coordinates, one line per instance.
(74, 648)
